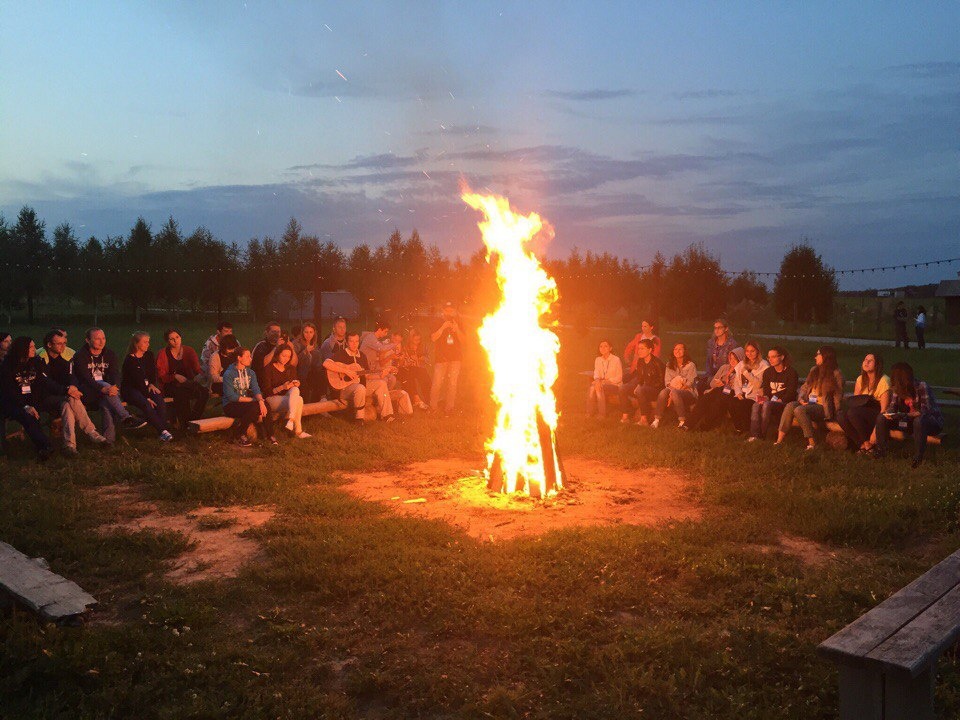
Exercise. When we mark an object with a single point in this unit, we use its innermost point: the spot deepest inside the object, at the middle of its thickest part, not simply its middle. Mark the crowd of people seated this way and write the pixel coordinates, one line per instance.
(763, 396)
(276, 377)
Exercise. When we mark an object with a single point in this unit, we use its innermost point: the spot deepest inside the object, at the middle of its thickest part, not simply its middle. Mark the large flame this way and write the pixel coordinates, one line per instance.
(521, 453)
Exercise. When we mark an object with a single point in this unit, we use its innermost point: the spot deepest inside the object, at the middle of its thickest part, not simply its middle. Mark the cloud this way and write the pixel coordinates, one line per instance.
(461, 130)
(926, 70)
(381, 161)
(708, 94)
(589, 95)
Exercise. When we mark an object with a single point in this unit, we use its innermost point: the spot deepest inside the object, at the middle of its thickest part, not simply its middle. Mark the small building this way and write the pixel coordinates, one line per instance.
(286, 306)
(949, 290)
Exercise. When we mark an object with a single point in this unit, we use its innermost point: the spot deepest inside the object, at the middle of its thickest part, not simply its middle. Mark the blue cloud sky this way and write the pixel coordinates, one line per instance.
(633, 127)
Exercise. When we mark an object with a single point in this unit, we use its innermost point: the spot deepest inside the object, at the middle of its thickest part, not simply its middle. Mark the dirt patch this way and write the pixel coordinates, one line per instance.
(217, 546)
(126, 501)
(594, 494)
(809, 552)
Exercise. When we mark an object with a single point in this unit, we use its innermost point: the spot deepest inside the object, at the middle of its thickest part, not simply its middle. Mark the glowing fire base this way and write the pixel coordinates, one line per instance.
(522, 451)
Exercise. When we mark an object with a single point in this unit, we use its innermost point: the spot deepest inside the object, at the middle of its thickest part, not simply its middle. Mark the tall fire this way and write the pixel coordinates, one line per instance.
(522, 452)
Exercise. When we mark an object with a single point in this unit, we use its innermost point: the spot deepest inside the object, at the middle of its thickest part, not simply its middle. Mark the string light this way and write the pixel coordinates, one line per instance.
(562, 273)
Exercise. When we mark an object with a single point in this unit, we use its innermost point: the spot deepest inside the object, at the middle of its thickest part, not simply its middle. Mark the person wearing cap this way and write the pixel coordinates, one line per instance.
(448, 341)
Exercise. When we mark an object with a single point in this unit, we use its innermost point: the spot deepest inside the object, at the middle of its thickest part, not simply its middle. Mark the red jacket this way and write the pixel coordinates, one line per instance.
(191, 364)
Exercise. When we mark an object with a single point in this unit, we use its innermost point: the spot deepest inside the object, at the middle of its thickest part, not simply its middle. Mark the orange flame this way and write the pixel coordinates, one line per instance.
(521, 453)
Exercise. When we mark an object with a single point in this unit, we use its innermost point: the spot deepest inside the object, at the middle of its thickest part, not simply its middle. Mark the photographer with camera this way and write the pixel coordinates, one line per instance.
(273, 339)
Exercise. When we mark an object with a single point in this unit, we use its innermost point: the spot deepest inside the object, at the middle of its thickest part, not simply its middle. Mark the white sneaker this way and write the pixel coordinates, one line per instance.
(165, 436)
(303, 435)
(752, 439)
(655, 424)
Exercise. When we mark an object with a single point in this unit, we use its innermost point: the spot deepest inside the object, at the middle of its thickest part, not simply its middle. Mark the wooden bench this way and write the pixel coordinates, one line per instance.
(834, 427)
(887, 658)
(214, 424)
(30, 583)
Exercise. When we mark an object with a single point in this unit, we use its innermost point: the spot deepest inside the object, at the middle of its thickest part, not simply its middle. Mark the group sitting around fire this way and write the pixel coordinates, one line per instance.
(276, 377)
(761, 395)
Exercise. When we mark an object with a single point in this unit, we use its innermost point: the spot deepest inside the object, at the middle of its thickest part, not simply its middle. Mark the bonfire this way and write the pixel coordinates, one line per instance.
(522, 352)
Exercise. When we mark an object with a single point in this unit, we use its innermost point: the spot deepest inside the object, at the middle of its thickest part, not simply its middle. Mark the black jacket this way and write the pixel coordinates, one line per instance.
(650, 374)
(22, 384)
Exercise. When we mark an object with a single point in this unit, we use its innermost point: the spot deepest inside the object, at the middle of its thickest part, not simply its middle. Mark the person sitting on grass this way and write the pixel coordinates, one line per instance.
(208, 352)
(139, 384)
(818, 399)
(310, 373)
(243, 401)
(281, 388)
(631, 358)
(718, 349)
(5, 342)
(913, 409)
(871, 397)
(21, 377)
(412, 371)
(223, 358)
(607, 377)
(680, 387)
(67, 353)
(379, 351)
(273, 339)
(750, 382)
(714, 404)
(649, 378)
(98, 377)
(351, 365)
(336, 340)
(62, 398)
(177, 369)
(780, 384)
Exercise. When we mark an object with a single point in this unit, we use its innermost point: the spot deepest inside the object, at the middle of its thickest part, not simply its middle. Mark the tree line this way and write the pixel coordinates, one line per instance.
(197, 271)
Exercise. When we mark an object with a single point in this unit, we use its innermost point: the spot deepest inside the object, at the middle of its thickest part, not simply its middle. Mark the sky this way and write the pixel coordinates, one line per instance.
(631, 127)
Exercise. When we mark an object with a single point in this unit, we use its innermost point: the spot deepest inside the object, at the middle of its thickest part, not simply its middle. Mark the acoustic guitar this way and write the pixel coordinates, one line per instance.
(340, 380)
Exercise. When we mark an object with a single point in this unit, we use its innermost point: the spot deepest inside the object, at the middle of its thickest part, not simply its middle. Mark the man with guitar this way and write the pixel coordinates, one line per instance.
(345, 371)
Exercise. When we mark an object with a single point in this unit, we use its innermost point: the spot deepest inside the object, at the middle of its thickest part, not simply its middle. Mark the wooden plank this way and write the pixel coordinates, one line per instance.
(38, 589)
(919, 643)
(221, 422)
(854, 642)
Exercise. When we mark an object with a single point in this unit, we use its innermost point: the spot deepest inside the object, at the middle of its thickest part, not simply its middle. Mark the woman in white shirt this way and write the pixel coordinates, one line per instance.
(607, 376)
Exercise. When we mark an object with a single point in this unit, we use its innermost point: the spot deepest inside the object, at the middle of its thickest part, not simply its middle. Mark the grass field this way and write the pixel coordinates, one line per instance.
(353, 611)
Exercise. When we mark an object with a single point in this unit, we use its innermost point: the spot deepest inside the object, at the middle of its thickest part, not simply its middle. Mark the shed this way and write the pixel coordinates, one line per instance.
(949, 290)
(287, 306)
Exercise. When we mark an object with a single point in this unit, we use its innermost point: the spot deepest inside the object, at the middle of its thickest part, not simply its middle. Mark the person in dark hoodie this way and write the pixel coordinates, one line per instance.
(780, 384)
(139, 384)
(649, 375)
(717, 401)
(21, 390)
(97, 371)
(61, 396)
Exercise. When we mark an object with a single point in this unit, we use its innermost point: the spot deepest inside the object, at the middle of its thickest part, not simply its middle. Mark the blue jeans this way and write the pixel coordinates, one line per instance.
(111, 408)
(155, 415)
(763, 416)
(31, 425)
(920, 427)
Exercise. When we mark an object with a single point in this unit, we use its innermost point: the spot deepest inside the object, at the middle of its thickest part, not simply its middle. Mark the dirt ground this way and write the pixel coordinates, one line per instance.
(594, 494)
(218, 548)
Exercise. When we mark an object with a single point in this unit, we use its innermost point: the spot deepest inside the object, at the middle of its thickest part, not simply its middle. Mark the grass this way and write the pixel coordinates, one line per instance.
(356, 612)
